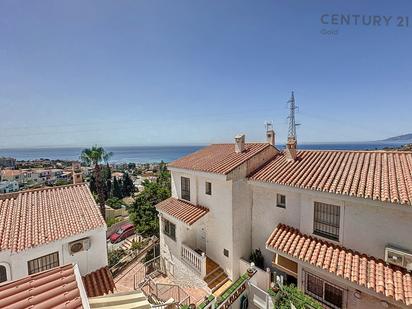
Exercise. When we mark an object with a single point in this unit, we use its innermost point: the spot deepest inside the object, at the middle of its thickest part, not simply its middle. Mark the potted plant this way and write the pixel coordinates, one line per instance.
(250, 271)
(257, 258)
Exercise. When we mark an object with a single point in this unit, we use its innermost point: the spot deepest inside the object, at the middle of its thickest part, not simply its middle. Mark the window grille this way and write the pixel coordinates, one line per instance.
(185, 188)
(323, 291)
(43, 263)
(326, 220)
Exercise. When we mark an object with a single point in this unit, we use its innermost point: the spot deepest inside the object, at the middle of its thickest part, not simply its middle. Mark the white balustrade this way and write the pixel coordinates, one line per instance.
(194, 259)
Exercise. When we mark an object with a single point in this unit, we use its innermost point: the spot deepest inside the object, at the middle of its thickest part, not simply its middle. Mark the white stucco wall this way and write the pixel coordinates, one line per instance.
(366, 226)
(171, 248)
(242, 223)
(266, 216)
(218, 221)
(87, 261)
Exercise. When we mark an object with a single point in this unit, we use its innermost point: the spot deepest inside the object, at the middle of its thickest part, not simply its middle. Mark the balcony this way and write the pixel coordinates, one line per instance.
(194, 259)
(208, 270)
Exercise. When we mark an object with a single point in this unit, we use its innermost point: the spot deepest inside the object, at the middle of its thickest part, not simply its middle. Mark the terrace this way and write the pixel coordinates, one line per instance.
(159, 287)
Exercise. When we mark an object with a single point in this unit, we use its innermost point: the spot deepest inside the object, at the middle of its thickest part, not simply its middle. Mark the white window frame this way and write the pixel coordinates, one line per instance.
(166, 222)
(279, 200)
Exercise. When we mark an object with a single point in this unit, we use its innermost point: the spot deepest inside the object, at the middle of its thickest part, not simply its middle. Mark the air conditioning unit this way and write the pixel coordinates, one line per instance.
(398, 257)
(79, 245)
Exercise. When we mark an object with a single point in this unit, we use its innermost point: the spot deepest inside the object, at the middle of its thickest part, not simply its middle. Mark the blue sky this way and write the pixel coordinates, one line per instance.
(161, 72)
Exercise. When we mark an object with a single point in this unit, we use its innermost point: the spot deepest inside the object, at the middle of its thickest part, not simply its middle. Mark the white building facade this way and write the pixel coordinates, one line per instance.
(9, 186)
(228, 200)
(45, 228)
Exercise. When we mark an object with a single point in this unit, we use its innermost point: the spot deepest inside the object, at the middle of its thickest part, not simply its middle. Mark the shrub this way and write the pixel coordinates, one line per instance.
(257, 258)
(136, 245)
(289, 294)
(114, 256)
(112, 221)
(114, 202)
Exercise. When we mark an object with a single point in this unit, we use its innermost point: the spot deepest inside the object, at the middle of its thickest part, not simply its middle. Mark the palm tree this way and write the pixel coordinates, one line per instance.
(94, 157)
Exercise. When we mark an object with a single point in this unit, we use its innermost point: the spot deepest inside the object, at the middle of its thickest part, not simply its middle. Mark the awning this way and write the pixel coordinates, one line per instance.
(365, 271)
(181, 210)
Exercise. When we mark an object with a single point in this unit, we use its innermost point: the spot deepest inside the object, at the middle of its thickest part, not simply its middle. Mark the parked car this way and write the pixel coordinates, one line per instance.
(122, 233)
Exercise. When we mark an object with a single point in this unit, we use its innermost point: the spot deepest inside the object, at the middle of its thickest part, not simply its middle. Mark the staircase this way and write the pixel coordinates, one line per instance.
(215, 276)
(127, 244)
(128, 300)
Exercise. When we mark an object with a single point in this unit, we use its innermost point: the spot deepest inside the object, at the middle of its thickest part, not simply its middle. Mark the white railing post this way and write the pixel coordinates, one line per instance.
(203, 265)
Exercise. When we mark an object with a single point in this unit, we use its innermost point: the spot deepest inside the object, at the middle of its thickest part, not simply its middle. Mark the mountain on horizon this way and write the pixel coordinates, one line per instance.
(399, 138)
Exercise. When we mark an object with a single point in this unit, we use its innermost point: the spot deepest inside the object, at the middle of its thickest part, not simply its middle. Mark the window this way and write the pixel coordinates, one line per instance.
(185, 182)
(169, 229)
(226, 252)
(324, 291)
(3, 273)
(281, 201)
(43, 263)
(208, 188)
(326, 220)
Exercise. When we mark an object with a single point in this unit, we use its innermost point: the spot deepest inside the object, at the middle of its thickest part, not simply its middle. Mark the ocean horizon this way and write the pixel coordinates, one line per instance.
(150, 154)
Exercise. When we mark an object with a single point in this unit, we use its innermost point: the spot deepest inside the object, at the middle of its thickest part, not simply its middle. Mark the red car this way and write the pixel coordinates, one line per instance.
(122, 233)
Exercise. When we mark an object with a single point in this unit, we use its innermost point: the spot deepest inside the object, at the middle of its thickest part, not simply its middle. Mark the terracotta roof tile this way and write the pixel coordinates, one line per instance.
(55, 288)
(182, 210)
(218, 158)
(36, 217)
(99, 282)
(377, 175)
(358, 268)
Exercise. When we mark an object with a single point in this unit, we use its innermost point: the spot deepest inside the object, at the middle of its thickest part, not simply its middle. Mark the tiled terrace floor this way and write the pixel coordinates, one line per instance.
(125, 282)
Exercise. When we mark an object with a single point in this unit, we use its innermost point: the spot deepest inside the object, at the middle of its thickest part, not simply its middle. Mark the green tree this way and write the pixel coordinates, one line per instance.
(131, 166)
(164, 178)
(127, 185)
(106, 182)
(94, 156)
(114, 202)
(143, 212)
(117, 188)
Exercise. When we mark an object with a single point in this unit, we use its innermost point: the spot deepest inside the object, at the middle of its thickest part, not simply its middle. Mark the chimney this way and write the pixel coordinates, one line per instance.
(291, 149)
(240, 143)
(270, 134)
(77, 173)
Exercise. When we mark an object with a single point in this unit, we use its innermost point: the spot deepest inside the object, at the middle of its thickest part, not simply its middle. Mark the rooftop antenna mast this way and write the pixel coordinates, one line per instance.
(291, 117)
(268, 125)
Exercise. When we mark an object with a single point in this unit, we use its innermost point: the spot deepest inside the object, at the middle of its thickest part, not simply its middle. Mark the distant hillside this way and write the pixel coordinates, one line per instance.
(399, 138)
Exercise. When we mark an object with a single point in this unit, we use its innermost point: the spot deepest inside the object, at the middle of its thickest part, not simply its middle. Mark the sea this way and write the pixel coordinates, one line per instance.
(150, 154)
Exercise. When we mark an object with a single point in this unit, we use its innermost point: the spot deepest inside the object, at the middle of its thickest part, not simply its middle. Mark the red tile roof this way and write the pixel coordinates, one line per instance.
(99, 282)
(377, 175)
(218, 158)
(182, 210)
(55, 288)
(11, 173)
(358, 268)
(36, 217)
